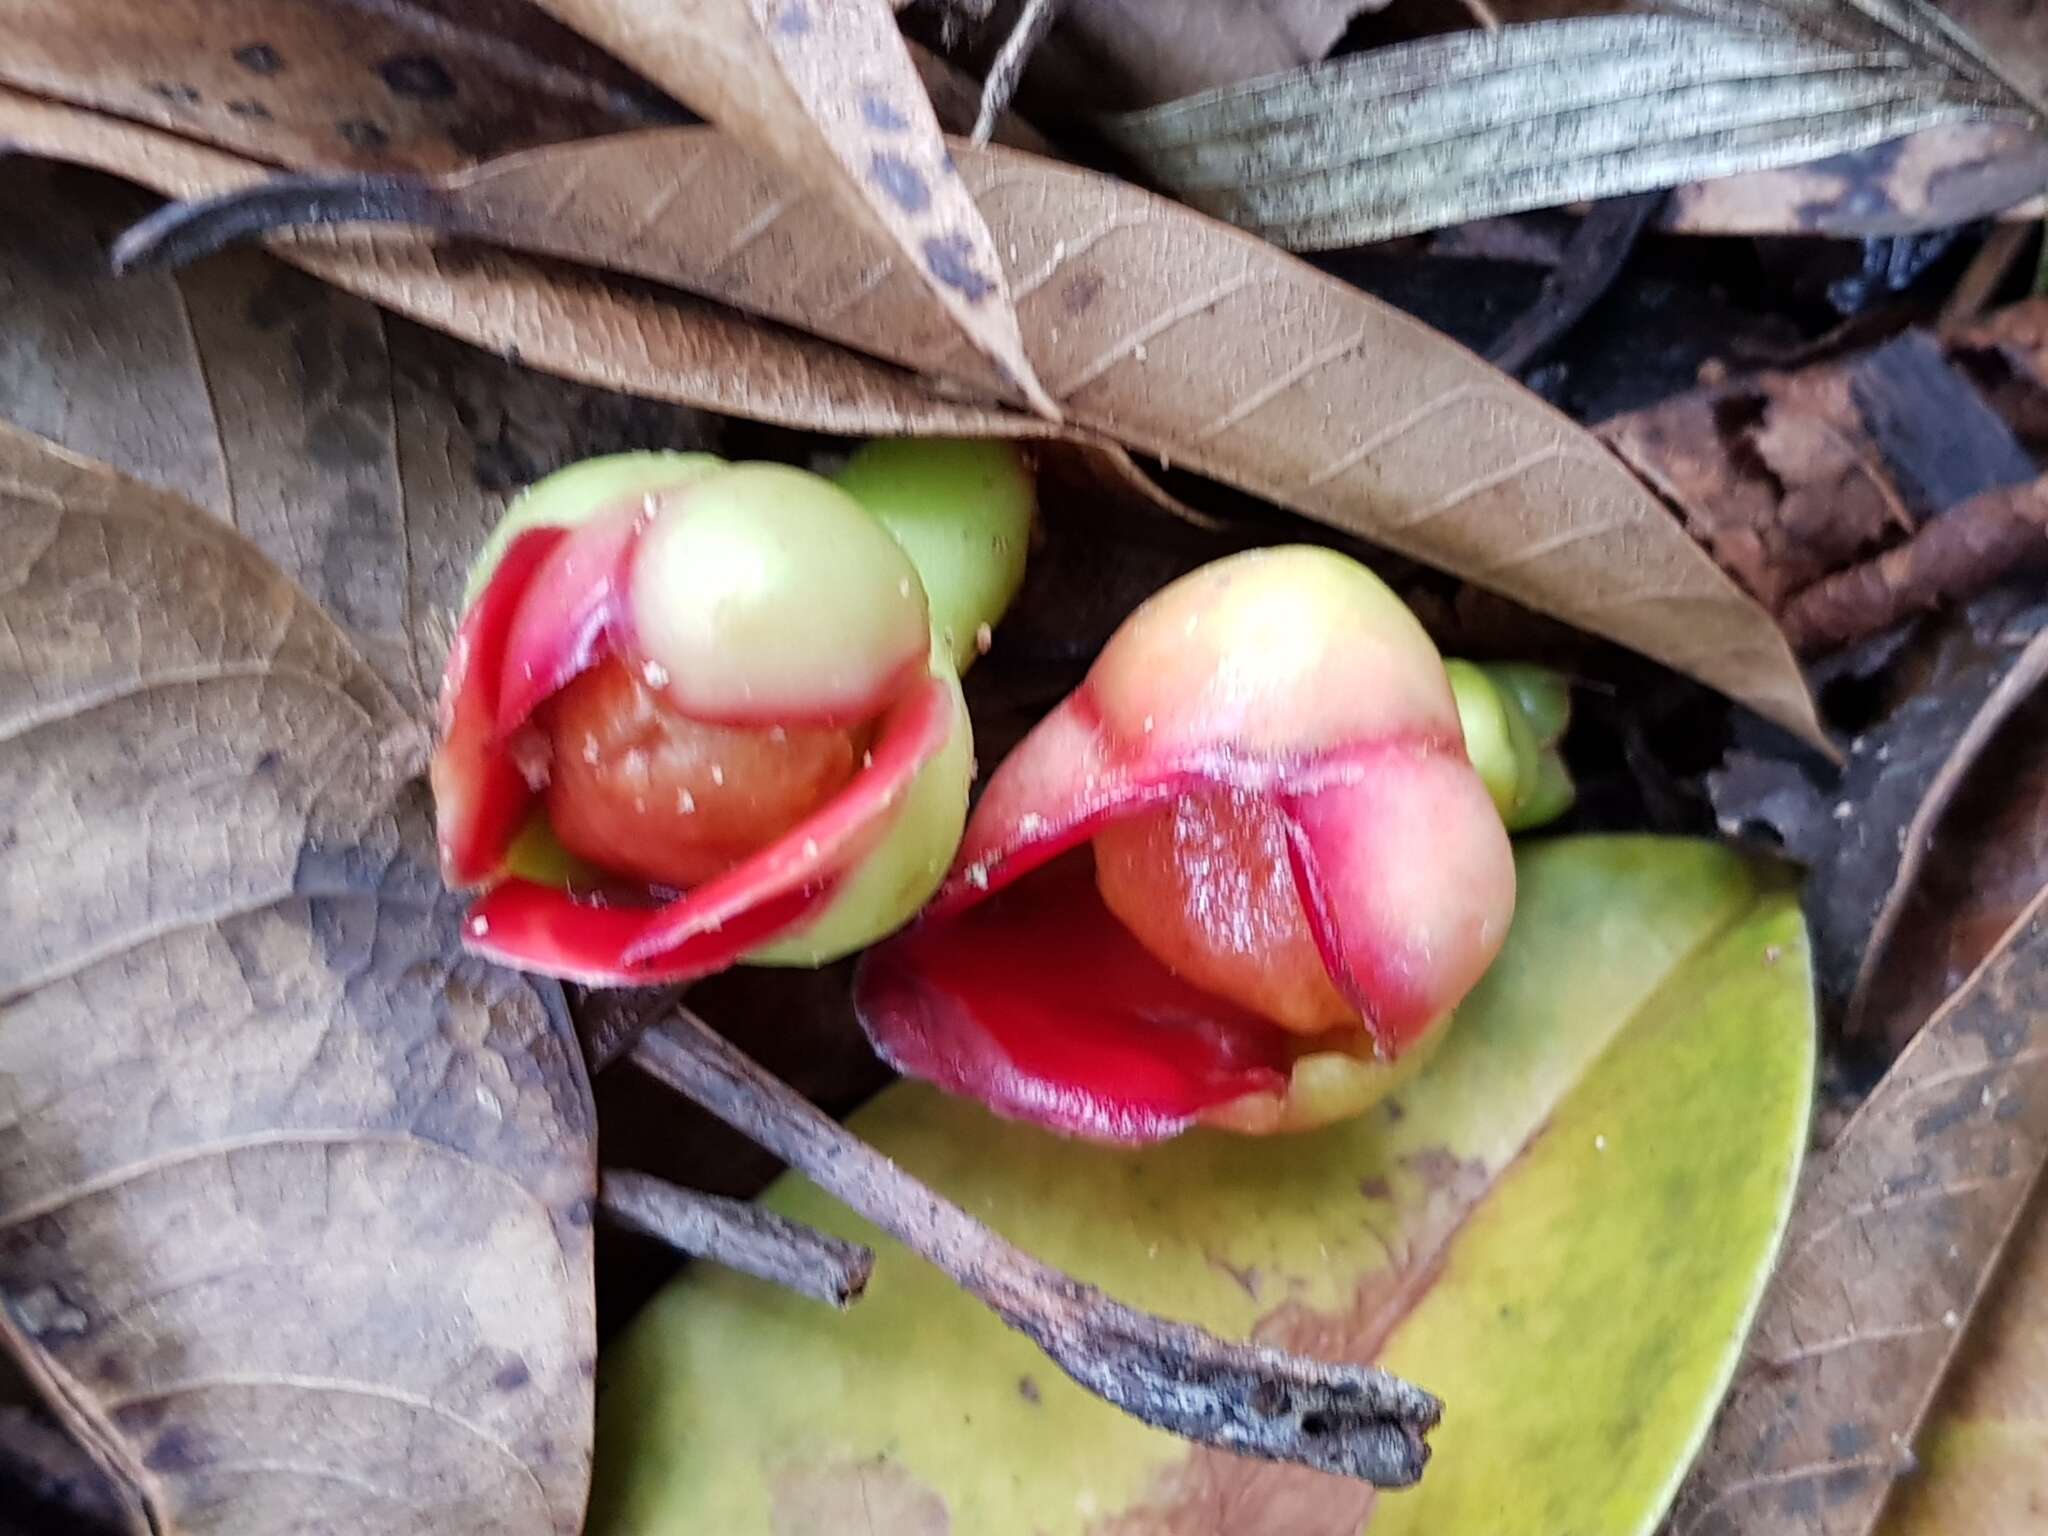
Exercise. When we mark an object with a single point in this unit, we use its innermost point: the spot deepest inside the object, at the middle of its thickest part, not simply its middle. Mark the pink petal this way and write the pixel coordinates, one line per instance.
(568, 617)
(539, 928)
(1041, 1005)
(480, 797)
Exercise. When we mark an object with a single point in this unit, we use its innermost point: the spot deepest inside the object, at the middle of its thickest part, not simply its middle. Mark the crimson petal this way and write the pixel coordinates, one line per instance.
(480, 797)
(1043, 1006)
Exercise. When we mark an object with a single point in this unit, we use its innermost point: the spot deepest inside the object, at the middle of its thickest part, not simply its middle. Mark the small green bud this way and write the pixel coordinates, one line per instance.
(962, 510)
(1513, 715)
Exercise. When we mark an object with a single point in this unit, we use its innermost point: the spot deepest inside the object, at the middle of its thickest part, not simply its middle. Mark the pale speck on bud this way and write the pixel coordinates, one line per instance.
(810, 847)
(655, 673)
(867, 759)
(650, 504)
(1031, 824)
(718, 773)
(479, 926)
(590, 747)
(1148, 725)
(977, 876)
(686, 803)
(984, 637)
(777, 733)
(903, 586)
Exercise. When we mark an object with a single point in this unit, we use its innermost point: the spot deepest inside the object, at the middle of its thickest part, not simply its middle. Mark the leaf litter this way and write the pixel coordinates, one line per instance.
(628, 332)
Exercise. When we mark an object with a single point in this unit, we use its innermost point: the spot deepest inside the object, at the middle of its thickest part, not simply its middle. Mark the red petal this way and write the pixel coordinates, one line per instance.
(568, 615)
(538, 928)
(480, 797)
(1041, 1005)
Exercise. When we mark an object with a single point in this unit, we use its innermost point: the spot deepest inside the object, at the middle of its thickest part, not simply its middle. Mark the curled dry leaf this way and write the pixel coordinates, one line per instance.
(374, 84)
(575, 323)
(1431, 133)
(1162, 331)
(294, 1218)
(366, 457)
(826, 89)
(1974, 854)
(1632, 1079)
(1849, 494)
(1891, 1246)
(1863, 837)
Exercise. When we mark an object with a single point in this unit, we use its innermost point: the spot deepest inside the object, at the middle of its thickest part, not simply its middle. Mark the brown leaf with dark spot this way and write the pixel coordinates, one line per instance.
(1177, 337)
(294, 1208)
(366, 457)
(576, 323)
(827, 90)
(375, 84)
(1930, 180)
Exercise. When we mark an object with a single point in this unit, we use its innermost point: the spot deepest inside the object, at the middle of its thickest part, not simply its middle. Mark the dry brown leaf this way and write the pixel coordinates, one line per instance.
(829, 92)
(366, 457)
(1195, 343)
(294, 1213)
(375, 84)
(1928, 180)
(1890, 1248)
(575, 323)
(1854, 832)
(1983, 1459)
(1115, 54)
(1974, 855)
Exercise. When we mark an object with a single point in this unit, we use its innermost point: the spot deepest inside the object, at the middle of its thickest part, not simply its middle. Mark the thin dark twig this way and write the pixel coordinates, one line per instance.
(1007, 72)
(178, 234)
(739, 1236)
(1354, 1420)
(1593, 259)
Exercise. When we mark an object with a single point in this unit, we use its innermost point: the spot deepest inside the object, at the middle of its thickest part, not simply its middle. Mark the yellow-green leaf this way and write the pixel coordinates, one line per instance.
(1562, 1226)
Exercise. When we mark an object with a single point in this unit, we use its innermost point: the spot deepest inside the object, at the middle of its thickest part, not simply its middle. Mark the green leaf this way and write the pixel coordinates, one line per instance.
(1475, 124)
(1562, 1226)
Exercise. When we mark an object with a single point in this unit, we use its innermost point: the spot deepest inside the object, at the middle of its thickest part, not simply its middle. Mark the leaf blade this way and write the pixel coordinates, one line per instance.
(1208, 349)
(1478, 124)
(830, 93)
(276, 1131)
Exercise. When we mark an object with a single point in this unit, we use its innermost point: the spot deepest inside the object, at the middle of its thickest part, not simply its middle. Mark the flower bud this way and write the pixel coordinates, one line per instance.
(695, 714)
(1239, 876)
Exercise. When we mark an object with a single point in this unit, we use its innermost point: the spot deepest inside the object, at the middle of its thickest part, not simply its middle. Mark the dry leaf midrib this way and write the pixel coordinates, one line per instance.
(76, 706)
(342, 1136)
